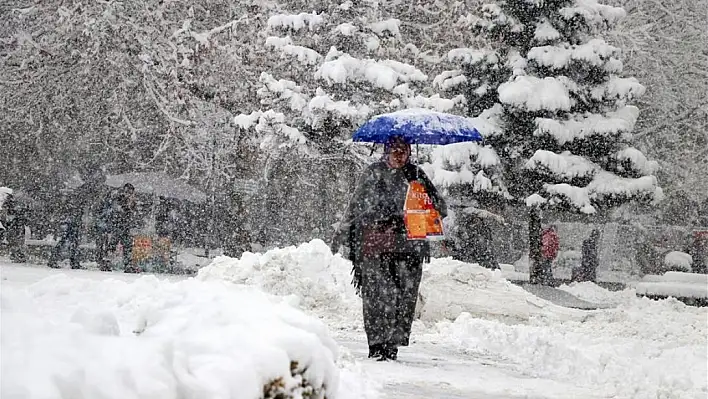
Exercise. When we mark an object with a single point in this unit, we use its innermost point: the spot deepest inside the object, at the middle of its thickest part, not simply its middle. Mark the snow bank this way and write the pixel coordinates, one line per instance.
(71, 337)
(451, 288)
(642, 349)
(591, 292)
(315, 279)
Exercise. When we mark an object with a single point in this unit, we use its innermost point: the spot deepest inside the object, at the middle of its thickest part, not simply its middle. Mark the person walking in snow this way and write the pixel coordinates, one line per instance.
(387, 266)
(122, 213)
(549, 250)
(589, 261)
(71, 210)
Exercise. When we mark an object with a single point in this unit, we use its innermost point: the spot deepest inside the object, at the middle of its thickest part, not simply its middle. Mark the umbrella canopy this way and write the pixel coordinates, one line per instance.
(418, 126)
(157, 183)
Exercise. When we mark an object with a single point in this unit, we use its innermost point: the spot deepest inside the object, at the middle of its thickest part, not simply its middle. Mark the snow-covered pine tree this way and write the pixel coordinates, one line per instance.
(566, 118)
(330, 70)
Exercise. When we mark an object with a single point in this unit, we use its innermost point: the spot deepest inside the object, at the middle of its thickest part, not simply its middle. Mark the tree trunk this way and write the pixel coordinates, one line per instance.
(535, 257)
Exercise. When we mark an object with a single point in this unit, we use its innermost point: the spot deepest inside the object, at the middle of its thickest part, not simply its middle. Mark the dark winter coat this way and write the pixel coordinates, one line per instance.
(378, 202)
(589, 261)
(122, 212)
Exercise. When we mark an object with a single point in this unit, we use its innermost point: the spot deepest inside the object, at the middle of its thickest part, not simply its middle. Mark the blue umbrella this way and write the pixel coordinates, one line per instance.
(418, 126)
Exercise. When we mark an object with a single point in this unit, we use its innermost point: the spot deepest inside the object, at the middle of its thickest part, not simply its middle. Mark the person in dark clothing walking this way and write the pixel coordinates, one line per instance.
(589, 261)
(71, 210)
(15, 221)
(103, 228)
(122, 214)
(387, 266)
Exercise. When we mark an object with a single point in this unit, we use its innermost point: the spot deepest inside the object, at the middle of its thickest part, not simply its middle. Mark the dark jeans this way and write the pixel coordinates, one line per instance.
(69, 236)
(542, 273)
(389, 295)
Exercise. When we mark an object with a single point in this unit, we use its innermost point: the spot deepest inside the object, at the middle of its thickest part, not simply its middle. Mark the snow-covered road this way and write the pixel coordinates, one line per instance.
(637, 349)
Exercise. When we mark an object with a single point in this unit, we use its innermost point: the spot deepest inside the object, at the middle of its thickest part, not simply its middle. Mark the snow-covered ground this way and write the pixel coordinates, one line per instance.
(70, 333)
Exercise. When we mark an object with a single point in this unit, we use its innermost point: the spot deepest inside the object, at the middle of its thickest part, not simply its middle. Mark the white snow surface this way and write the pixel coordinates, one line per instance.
(479, 335)
(67, 337)
(536, 94)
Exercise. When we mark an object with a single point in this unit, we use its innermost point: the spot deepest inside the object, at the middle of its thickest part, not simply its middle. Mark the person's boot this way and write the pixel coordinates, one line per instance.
(376, 351)
(389, 352)
(77, 266)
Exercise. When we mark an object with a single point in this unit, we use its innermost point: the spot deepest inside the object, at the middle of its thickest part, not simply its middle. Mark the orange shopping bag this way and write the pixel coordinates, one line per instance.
(420, 217)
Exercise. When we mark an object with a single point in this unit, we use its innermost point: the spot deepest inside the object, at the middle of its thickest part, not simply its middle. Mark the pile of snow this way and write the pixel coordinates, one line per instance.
(644, 349)
(591, 292)
(73, 337)
(678, 260)
(675, 284)
(315, 279)
(451, 288)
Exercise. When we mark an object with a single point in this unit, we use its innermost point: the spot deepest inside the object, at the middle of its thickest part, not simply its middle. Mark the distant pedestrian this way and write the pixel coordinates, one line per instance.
(589, 261)
(16, 218)
(550, 245)
(71, 210)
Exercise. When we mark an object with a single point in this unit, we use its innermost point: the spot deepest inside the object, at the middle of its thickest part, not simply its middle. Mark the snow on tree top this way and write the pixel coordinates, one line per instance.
(324, 102)
(624, 89)
(535, 199)
(305, 55)
(606, 183)
(295, 21)
(583, 126)
(564, 165)
(593, 12)
(596, 52)
(434, 102)
(468, 56)
(638, 160)
(449, 79)
(536, 94)
(390, 25)
(577, 196)
(286, 89)
(345, 29)
(545, 32)
(384, 74)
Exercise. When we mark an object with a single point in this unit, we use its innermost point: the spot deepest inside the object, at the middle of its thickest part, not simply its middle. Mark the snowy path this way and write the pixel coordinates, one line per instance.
(424, 370)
